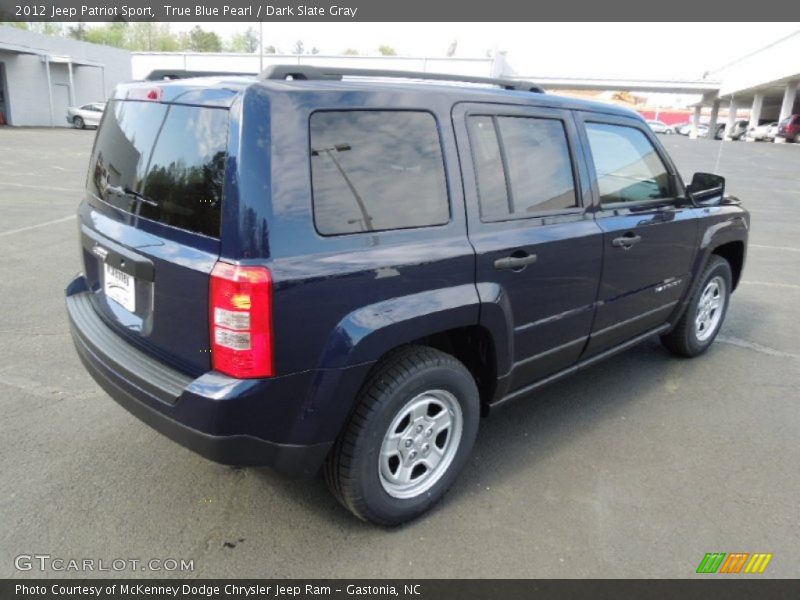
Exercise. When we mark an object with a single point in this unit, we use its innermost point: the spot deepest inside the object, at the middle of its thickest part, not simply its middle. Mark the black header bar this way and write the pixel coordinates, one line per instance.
(392, 10)
(714, 586)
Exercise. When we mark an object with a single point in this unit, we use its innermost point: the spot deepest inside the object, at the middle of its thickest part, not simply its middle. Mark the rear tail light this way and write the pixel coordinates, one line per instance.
(241, 321)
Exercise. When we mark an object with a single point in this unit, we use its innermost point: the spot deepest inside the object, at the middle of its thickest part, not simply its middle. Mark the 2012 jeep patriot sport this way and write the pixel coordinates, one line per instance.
(303, 268)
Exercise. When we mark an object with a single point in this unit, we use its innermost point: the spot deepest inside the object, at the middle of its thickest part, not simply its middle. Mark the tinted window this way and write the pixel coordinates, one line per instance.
(376, 170)
(523, 166)
(172, 155)
(627, 165)
(492, 192)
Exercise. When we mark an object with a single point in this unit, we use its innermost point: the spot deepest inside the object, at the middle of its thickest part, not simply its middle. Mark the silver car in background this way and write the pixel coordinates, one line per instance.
(765, 132)
(660, 127)
(88, 115)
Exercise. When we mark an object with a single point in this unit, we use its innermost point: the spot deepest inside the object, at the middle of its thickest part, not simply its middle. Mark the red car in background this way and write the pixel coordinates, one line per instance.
(789, 128)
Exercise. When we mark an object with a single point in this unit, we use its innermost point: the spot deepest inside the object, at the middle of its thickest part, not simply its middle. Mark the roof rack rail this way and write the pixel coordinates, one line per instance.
(313, 73)
(169, 74)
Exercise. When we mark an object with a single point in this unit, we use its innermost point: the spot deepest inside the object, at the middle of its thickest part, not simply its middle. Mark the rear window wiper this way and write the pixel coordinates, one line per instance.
(125, 191)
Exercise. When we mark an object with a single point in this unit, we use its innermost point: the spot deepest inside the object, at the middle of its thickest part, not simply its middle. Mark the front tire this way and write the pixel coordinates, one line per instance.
(410, 435)
(702, 320)
(79, 123)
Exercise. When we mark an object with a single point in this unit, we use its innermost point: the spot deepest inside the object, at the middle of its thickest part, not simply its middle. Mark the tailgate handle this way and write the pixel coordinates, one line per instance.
(117, 255)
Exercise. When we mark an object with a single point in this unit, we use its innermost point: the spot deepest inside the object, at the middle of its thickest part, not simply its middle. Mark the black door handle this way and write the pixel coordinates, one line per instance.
(626, 241)
(514, 263)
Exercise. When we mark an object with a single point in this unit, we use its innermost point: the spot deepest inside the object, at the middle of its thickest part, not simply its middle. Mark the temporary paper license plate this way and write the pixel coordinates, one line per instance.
(120, 287)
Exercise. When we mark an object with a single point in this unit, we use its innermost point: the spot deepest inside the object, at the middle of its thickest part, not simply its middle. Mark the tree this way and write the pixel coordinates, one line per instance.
(151, 37)
(16, 24)
(451, 50)
(350, 52)
(314, 50)
(109, 34)
(387, 50)
(270, 50)
(77, 31)
(299, 47)
(246, 41)
(200, 40)
(47, 28)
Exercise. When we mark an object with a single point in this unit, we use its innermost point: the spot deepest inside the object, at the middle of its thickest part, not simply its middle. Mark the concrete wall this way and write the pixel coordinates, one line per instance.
(26, 86)
(27, 98)
(778, 62)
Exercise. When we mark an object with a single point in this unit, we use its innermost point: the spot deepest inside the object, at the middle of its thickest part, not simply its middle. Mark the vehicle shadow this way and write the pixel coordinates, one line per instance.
(532, 427)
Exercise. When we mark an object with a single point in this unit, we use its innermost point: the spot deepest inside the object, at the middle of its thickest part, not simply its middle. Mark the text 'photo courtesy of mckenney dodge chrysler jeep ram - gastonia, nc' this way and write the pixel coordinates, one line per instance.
(343, 271)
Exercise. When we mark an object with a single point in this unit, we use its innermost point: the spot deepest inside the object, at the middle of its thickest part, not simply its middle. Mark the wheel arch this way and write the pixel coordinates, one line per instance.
(733, 252)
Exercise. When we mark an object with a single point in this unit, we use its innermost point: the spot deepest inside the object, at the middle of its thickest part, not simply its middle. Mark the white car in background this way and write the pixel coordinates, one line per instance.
(660, 127)
(88, 115)
(765, 132)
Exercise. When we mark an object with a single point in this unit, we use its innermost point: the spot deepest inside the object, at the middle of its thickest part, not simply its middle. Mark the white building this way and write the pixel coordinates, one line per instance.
(42, 75)
(765, 81)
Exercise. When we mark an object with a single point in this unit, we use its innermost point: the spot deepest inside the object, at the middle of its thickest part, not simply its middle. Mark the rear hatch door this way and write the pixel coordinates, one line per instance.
(150, 224)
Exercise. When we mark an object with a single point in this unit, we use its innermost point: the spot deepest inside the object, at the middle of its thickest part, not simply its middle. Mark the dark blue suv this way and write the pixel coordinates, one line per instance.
(314, 268)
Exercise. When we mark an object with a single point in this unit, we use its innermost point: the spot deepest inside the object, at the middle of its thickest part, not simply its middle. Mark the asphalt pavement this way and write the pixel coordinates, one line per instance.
(634, 468)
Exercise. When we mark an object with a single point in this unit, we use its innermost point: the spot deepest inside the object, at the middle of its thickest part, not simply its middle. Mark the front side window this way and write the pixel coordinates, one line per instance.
(627, 165)
(523, 166)
(376, 170)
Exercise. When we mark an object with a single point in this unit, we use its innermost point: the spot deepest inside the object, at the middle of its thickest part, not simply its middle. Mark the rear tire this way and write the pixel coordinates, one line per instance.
(797, 139)
(702, 320)
(410, 435)
(79, 123)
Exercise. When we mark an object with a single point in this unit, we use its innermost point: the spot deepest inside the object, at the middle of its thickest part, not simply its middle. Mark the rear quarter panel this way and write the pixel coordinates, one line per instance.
(343, 300)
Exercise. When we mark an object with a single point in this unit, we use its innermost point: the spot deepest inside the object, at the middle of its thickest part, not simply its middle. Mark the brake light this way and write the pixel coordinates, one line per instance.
(139, 93)
(240, 306)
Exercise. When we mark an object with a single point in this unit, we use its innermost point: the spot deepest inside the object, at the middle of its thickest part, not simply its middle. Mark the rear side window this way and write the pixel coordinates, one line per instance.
(523, 166)
(627, 165)
(163, 162)
(376, 170)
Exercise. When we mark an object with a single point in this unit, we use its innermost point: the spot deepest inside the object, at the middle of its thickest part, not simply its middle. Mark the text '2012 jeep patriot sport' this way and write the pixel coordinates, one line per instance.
(314, 268)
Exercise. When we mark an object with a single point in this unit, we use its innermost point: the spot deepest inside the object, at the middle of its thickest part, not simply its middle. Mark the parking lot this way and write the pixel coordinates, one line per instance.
(633, 468)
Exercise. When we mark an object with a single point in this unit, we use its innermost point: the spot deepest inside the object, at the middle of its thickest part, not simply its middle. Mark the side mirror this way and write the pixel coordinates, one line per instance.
(706, 188)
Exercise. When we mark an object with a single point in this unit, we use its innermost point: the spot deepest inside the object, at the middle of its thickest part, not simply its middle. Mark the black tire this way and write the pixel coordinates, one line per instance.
(79, 123)
(684, 339)
(797, 139)
(353, 468)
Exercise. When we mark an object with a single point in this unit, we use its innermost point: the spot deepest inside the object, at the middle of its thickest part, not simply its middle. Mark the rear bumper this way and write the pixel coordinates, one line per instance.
(220, 418)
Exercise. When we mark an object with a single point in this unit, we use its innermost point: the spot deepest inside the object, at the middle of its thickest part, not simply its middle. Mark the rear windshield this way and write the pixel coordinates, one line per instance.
(163, 162)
